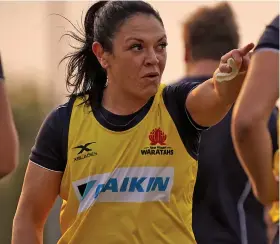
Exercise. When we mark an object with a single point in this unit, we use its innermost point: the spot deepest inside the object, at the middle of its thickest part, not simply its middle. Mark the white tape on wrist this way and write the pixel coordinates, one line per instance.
(221, 77)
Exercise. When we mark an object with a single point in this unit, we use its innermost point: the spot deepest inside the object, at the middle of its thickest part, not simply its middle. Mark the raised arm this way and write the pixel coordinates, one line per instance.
(209, 102)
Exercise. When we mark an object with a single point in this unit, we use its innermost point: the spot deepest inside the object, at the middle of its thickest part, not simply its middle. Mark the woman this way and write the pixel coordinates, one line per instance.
(252, 140)
(122, 152)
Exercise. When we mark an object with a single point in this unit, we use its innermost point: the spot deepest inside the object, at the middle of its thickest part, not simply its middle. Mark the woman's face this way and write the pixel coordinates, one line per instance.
(139, 56)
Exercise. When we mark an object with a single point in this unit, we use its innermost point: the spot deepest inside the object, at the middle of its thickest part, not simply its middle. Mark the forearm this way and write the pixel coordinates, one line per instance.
(209, 102)
(25, 231)
(205, 106)
(40, 189)
(228, 91)
(254, 149)
(8, 135)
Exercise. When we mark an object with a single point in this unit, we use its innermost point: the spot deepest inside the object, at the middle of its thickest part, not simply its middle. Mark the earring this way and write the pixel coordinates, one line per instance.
(106, 84)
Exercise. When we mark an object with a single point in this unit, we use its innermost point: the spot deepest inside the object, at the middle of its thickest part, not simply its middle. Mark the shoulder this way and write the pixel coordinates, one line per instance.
(176, 94)
(174, 97)
(185, 85)
(50, 148)
(60, 115)
(270, 37)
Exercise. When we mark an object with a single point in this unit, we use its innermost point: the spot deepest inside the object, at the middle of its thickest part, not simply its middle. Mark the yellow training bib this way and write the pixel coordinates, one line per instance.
(134, 186)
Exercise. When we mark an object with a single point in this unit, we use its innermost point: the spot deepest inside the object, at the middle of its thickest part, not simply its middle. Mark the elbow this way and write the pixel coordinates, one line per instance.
(246, 122)
(7, 167)
(265, 201)
(266, 197)
(8, 158)
(266, 192)
(5, 171)
(27, 220)
(241, 127)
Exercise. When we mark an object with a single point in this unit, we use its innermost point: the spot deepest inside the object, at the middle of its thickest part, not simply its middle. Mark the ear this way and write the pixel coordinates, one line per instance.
(188, 54)
(187, 47)
(100, 54)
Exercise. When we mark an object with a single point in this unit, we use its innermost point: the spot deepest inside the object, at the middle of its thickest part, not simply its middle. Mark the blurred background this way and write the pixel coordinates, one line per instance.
(31, 48)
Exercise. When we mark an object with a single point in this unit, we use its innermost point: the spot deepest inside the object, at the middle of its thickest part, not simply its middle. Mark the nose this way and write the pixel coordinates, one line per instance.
(151, 57)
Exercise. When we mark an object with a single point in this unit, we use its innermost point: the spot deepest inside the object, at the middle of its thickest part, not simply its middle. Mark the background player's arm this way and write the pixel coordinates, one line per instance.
(249, 124)
(8, 135)
(39, 192)
(209, 102)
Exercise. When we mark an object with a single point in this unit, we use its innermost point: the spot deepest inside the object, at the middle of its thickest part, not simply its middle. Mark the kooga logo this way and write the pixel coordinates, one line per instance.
(135, 184)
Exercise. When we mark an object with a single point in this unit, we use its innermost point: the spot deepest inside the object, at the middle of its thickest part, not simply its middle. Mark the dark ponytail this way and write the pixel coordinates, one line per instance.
(84, 71)
(102, 21)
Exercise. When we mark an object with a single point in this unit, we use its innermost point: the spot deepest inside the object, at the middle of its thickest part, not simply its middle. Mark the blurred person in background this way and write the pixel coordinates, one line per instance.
(224, 208)
(122, 152)
(249, 123)
(8, 136)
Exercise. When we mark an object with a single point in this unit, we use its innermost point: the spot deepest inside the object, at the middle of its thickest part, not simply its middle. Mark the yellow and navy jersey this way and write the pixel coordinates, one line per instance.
(127, 179)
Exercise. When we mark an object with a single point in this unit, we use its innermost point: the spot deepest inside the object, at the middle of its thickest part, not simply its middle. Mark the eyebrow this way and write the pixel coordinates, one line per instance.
(140, 40)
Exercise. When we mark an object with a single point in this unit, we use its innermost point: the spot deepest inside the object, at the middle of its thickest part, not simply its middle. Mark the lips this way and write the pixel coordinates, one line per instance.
(151, 75)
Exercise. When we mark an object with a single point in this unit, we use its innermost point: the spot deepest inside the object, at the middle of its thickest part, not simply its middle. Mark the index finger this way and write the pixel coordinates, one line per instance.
(246, 49)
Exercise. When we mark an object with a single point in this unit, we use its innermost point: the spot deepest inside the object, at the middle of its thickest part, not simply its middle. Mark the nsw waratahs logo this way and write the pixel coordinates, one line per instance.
(157, 136)
(158, 144)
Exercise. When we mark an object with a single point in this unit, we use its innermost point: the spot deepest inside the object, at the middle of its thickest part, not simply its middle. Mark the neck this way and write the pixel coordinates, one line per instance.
(202, 68)
(119, 103)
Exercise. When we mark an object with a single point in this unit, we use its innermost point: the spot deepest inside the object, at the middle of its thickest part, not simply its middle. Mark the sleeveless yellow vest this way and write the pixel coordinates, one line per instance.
(134, 186)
